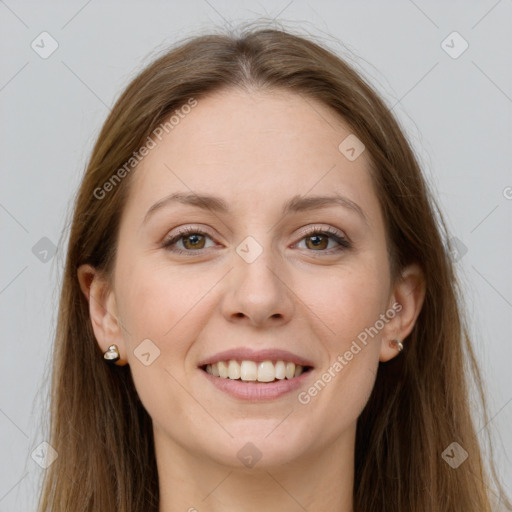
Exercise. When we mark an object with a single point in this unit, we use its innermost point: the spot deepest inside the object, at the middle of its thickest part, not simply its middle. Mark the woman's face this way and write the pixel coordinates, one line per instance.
(258, 267)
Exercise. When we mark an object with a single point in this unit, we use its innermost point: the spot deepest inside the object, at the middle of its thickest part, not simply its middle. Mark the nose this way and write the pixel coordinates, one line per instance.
(257, 293)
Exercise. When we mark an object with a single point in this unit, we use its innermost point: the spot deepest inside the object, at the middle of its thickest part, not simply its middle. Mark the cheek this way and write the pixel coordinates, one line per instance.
(168, 308)
(350, 307)
(349, 302)
(157, 302)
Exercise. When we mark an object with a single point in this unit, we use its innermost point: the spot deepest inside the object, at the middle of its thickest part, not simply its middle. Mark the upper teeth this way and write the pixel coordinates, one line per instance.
(266, 371)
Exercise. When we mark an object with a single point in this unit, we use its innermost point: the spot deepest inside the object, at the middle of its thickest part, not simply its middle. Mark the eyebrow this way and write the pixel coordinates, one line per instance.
(296, 204)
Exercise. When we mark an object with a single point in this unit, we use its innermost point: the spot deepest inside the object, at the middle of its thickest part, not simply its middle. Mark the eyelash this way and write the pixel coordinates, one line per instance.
(333, 234)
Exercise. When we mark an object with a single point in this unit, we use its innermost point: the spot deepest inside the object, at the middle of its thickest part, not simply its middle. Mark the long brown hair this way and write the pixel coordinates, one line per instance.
(420, 403)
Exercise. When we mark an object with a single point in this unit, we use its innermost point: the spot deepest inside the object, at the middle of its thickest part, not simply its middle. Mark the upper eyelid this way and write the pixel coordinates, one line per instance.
(316, 227)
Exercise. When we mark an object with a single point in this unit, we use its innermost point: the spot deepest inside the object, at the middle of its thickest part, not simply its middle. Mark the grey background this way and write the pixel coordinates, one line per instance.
(456, 111)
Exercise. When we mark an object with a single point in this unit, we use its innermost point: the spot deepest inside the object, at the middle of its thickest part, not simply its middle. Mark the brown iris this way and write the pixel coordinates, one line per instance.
(196, 244)
(320, 243)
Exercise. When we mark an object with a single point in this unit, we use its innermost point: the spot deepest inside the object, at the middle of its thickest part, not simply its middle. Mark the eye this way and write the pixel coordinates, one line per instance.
(192, 239)
(318, 240)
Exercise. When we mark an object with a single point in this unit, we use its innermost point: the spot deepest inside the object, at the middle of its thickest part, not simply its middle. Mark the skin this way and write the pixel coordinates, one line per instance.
(255, 150)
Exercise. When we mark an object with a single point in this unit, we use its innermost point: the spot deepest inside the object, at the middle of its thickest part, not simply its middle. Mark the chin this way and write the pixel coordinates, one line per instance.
(256, 446)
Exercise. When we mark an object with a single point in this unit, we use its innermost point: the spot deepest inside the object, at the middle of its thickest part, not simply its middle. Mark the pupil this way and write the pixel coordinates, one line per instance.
(317, 240)
(195, 239)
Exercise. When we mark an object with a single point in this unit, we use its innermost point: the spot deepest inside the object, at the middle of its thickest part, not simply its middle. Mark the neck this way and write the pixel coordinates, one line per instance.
(316, 482)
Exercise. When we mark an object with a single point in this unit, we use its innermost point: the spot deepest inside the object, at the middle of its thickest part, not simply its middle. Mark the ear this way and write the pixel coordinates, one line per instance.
(102, 309)
(406, 301)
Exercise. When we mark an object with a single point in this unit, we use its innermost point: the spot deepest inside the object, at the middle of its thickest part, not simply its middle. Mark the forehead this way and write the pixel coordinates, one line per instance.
(253, 146)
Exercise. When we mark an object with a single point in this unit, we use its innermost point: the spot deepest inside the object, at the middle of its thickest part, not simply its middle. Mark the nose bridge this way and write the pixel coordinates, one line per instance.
(258, 289)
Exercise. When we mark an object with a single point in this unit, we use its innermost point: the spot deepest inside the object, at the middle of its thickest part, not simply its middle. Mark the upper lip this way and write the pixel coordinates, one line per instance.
(247, 354)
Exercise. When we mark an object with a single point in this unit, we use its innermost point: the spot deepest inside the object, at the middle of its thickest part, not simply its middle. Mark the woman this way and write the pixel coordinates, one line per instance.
(259, 311)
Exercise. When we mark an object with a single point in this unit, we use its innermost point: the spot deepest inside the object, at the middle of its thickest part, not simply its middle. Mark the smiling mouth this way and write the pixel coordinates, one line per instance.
(251, 371)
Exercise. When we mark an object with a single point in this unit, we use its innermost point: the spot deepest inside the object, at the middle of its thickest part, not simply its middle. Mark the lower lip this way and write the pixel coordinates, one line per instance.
(257, 391)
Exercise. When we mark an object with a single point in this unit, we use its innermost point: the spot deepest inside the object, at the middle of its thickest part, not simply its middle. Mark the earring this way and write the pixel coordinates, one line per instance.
(398, 343)
(111, 356)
